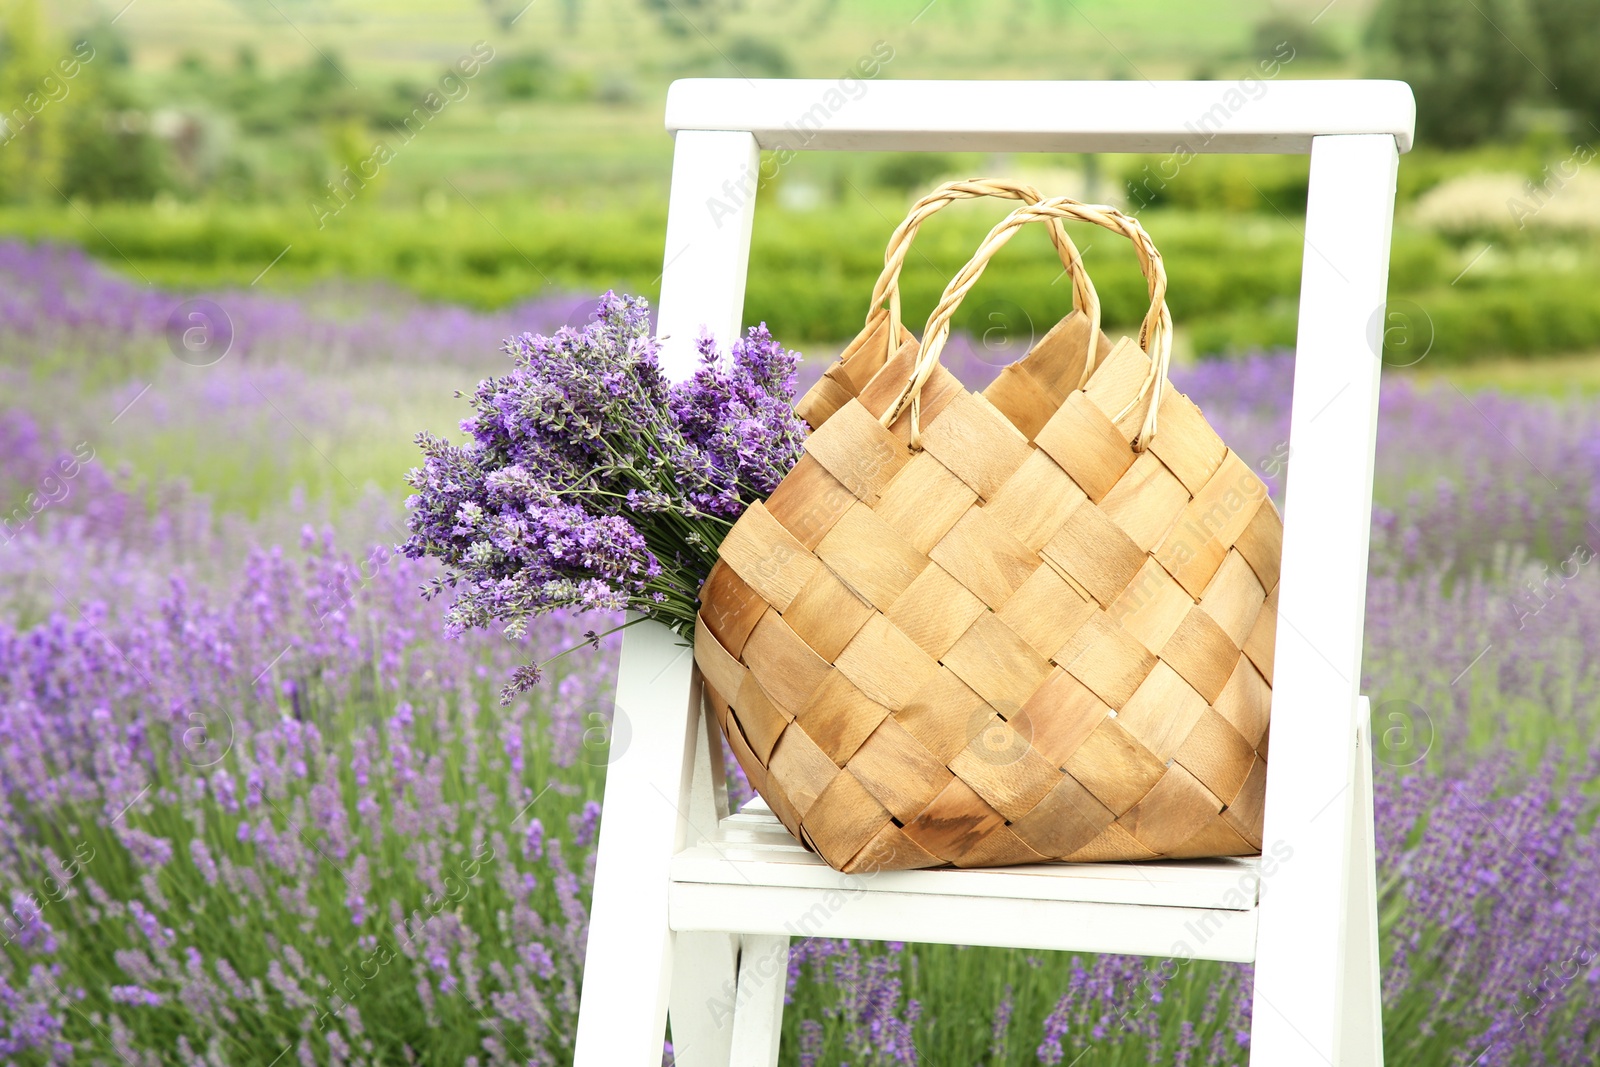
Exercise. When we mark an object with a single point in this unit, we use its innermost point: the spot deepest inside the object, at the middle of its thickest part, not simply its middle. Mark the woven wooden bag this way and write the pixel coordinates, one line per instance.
(1025, 625)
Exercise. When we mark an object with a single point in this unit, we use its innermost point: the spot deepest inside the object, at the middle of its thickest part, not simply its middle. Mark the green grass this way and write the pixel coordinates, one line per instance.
(274, 454)
(559, 144)
(1557, 376)
(1165, 38)
(497, 199)
(1233, 279)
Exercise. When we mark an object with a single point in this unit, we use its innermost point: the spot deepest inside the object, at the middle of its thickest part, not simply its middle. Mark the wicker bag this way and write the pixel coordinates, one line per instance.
(1025, 625)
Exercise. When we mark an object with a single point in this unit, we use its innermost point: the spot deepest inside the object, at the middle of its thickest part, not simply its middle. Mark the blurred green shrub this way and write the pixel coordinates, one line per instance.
(1465, 66)
(757, 57)
(109, 150)
(1234, 280)
(905, 171)
(1569, 30)
(34, 86)
(70, 122)
(1217, 182)
(1309, 41)
(523, 75)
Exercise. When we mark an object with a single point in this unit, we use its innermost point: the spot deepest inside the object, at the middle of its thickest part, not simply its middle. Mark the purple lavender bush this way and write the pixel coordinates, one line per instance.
(591, 483)
(255, 807)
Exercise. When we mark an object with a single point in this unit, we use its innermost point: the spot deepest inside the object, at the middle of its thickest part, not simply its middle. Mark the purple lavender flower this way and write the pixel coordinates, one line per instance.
(590, 483)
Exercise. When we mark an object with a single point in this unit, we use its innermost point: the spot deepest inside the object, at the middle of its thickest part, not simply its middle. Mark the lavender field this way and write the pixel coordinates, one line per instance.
(256, 809)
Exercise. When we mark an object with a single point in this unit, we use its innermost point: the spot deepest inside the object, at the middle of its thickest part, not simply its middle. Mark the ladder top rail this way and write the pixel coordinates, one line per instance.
(851, 113)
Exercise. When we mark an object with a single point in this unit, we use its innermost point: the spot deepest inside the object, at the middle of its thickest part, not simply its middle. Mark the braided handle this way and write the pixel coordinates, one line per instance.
(1084, 297)
(1155, 333)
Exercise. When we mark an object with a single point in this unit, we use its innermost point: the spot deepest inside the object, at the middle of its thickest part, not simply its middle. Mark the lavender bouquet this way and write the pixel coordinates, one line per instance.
(589, 482)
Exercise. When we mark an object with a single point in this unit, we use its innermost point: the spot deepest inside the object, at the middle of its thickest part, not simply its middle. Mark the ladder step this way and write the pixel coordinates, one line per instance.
(752, 848)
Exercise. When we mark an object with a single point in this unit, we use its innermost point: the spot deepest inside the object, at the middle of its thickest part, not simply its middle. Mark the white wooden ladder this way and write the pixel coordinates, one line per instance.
(694, 907)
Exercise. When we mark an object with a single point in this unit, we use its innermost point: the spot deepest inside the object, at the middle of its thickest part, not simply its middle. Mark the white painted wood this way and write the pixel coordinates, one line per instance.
(705, 964)
(704, 974)
(709, 216)
(649, 789)
(753, 849)
(752, 876)
(758, 1023)
(873, 914)
(1362, 1035)
(1042, 116)
(707, 803)
(1322, 597)
(622, 1018)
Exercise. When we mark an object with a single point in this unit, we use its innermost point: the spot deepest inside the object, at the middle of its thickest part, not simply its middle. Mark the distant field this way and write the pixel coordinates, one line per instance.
(1164, 38)
(543, 147)
(498, 198)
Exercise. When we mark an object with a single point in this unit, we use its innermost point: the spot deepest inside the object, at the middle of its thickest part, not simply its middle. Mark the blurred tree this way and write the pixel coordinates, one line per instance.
(193, 63)
(615, 87)
(1464, 65)
(32, 91)
(109, 150)
(505, 13)
(905, 171)
(681, 18)
(73, 124)
(274, 10)
(110, 46)
(822, 14)
(321, 90)
(357, 159)
(755, 57)
(1570, 33)
(257, 101)
(523, 75)
(1306, 38)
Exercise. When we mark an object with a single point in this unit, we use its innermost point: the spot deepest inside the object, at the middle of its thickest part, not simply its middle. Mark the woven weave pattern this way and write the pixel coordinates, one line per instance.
(1020, 641)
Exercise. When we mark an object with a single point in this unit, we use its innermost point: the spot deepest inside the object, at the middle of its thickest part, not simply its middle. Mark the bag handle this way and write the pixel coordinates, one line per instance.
(1084, 297)
(1155, 332)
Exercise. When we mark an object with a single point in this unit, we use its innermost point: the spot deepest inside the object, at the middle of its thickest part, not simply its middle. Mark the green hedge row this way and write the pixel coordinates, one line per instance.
(1233, 278)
